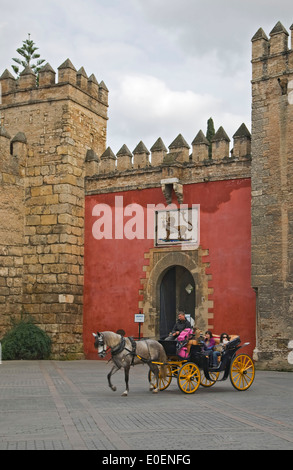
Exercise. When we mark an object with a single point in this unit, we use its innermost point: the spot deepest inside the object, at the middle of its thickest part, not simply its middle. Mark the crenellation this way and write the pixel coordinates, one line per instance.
(124, 159)
(180, 148)
(47, 76)
(4, 141)
(67, 72)
(220, 145)
(76, 85)
(158, 152)
(7, 82)
(178, 153)
(103, 93)
(91, 163)
(27, 79)
(271, 56)
(93, 86)
(200, 148)
(140, 156)
(242, 142)
(82, 79)
(260, 45)
(278, 39)
(107, 162)
(19, 150)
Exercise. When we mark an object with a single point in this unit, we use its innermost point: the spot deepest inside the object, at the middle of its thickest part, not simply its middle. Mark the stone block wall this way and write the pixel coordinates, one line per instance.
(12, 157)
(60, 123)
(272, 197)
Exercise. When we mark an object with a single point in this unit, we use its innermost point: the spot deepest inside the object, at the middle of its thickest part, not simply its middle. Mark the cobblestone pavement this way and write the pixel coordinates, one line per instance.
(67, 405)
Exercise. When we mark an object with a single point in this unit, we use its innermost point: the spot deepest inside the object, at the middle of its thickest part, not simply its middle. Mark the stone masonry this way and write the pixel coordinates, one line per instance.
(53, 153)
(272, 197)
(42, 170)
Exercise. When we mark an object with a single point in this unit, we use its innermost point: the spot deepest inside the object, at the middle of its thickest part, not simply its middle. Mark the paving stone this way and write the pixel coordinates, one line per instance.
(58, 405)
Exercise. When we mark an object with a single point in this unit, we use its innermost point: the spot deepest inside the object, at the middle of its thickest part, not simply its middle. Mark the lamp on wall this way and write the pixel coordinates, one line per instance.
(189, 288)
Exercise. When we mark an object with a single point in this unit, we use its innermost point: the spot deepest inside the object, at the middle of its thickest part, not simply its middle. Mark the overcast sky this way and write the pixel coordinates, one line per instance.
(169, 64)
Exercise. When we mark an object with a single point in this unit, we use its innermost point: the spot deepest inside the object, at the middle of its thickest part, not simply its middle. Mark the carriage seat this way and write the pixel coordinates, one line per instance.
(233, 339)
(217, 338)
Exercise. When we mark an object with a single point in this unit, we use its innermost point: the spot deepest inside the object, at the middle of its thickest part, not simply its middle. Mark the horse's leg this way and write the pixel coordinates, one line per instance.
(126, 373)
(155, 370)
(112, 371)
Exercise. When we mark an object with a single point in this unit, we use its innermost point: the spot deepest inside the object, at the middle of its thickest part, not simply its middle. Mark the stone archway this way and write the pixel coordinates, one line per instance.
(160, 261)
(177, 293)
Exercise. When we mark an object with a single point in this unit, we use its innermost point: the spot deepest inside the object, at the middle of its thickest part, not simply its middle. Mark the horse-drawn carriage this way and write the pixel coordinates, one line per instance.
(196, 370)
(164, 363)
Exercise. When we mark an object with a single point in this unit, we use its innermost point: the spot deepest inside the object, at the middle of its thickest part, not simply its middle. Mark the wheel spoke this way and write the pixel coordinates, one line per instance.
(188, 378)
(208, 383)
(242, 372)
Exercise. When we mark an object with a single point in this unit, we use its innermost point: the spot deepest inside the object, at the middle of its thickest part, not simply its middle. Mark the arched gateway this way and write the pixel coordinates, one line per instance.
(177, 293)
(176, 280)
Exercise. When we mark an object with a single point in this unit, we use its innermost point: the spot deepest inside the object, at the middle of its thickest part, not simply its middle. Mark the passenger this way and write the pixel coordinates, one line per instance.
(224, 339)
(182, 341)
(179, 326)
(208, 347)
(219, 348)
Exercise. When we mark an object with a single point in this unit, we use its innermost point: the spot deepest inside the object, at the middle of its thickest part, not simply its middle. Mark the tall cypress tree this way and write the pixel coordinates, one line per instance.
(28, 54)
(210, 134)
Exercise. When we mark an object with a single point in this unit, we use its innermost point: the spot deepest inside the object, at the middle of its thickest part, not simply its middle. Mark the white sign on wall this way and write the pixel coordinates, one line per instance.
(177, 226)
(139, 317)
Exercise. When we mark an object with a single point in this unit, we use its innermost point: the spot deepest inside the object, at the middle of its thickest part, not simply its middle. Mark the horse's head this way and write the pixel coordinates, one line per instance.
(100, 344)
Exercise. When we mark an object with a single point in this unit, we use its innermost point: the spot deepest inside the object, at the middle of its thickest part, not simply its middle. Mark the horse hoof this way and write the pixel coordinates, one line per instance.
(155, 390)
(151, 387)
(114, 389)
(124, 394)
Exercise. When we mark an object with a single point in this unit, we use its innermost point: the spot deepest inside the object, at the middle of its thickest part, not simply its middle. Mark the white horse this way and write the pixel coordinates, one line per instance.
(126, 352)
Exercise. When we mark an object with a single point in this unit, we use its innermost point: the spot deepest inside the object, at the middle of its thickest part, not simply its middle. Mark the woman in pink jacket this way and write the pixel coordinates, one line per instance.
(208, 347)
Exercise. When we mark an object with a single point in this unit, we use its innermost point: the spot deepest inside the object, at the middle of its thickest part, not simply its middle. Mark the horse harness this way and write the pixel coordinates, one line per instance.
(133, 351)
(122, 345)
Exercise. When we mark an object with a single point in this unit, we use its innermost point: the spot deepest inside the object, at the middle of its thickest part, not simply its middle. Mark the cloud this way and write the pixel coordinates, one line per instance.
(147, 108)
(168, 65)
(198, 27)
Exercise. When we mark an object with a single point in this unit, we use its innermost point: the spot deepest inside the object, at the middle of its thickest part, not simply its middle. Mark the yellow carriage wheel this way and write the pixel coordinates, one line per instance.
(242, 372)
(164, 382)
(208, 383)
(188, 378)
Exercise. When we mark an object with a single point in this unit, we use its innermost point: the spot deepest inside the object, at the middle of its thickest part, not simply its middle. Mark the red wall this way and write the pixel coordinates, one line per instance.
(113, 268)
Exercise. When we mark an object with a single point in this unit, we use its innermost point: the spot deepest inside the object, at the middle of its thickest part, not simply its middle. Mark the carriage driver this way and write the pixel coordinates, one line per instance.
(179, 326)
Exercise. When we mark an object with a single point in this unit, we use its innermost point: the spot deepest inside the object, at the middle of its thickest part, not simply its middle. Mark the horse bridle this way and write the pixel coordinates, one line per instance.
(100, 342)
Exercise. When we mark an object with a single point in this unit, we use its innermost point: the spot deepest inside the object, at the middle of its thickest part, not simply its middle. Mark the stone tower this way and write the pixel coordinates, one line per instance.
(272, 195)
(50, 135)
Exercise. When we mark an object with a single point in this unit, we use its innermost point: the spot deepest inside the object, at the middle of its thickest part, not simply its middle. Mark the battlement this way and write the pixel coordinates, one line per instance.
(71, 84)
(272, 56)
(13, 151)
(178, 155)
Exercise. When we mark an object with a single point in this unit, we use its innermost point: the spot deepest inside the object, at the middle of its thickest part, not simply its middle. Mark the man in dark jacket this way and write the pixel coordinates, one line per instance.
(179, 326)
